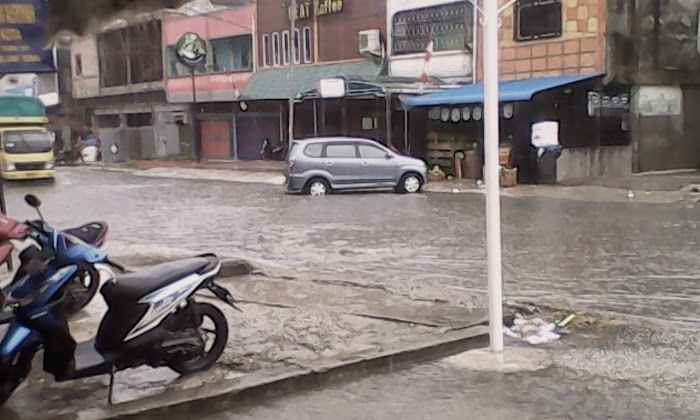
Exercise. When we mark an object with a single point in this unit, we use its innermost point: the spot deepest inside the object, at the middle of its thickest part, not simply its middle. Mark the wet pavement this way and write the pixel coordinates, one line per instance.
(629, 258)
(444, 391)
(423, 256)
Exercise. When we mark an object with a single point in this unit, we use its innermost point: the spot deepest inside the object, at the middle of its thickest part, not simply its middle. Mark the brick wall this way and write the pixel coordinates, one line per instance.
(580, 49)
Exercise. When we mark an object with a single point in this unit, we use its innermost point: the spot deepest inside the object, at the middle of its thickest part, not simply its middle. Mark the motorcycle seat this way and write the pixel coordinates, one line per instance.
(89, 232)
(134, 286)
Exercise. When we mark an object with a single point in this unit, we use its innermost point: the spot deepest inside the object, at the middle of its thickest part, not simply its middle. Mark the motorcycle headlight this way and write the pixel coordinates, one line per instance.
(49, 165)
(10, 167)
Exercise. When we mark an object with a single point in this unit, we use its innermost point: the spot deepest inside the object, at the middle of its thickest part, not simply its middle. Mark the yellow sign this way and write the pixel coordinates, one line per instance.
(21, 37)
(306, 9)
(17, 14)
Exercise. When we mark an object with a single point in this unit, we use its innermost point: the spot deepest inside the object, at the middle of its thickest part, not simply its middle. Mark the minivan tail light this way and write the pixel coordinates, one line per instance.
(291, 166)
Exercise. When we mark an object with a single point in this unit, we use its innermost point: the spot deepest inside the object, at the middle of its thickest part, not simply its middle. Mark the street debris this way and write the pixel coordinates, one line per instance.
(630, 194)
(535, 330)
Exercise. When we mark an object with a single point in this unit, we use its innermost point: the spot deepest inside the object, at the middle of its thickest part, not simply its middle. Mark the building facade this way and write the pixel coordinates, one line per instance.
(449, 24)
(214, 89)
(652, 47)
(297, 47)
(550, 38)
(118, 86)
(553, 62)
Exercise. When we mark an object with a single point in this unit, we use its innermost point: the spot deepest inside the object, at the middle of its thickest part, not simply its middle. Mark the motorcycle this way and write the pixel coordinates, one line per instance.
(86, 282)
(152, 318)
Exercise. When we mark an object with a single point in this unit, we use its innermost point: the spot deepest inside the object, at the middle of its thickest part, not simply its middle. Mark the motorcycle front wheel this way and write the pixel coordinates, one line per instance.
(213, 348)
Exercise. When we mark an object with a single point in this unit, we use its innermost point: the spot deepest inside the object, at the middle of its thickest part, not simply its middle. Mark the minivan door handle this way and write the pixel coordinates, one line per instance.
(329, 163)
(365, 163)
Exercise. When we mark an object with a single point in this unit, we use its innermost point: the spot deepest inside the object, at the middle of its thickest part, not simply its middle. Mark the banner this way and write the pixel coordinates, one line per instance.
(22, 24)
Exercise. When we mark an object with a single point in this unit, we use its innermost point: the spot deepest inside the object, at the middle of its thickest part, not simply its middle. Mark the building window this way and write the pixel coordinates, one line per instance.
(232, 54)
(370, 123)
(266, 50)
(139, 120)
(296, 46)
(78, 65)
(307, 45)
(285, 47)
(108, 121)
(538, 19)
(451, 25)
(276, 51)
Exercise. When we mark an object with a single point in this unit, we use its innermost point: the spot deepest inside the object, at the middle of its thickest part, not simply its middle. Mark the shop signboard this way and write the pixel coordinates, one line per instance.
(22, 41)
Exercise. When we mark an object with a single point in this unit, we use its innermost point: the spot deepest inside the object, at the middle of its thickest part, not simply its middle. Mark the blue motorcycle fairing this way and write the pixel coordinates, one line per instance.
(17, 338)
(68, 252)
(67, 256)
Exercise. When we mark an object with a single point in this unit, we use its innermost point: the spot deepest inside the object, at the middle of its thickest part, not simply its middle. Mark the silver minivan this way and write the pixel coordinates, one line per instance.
(319, 165)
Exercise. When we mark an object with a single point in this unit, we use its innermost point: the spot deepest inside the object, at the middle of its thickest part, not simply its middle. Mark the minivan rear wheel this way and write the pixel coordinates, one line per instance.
(410, 183)
(317, 187)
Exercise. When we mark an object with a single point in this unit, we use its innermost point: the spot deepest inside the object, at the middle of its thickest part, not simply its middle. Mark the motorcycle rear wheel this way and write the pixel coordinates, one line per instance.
(207, 359)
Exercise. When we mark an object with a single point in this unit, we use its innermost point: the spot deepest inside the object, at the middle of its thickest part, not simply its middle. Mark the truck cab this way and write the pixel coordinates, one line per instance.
(26, 143)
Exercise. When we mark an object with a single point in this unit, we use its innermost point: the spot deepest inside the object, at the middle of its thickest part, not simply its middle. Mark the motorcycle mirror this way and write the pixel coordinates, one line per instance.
(33, 201)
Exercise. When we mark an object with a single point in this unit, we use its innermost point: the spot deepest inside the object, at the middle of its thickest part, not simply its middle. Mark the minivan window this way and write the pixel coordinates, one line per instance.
(371, 152)
(314, 150)
(340, 151)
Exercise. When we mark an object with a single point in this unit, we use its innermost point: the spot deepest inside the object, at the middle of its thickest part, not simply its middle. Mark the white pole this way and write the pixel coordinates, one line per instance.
(492, 175)
(292, 54)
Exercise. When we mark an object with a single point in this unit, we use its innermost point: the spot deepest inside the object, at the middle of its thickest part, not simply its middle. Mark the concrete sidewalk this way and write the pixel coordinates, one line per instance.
(659, 188)
(653, 188)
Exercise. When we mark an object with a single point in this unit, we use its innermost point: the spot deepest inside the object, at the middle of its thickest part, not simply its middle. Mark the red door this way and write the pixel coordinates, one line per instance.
(216, 139)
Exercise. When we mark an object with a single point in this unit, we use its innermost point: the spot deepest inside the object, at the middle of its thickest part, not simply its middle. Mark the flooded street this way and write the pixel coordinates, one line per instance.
(328, 261)
(632, 259)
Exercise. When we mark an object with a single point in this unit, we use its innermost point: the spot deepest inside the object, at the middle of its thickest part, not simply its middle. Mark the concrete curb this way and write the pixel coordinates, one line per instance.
(262, 385)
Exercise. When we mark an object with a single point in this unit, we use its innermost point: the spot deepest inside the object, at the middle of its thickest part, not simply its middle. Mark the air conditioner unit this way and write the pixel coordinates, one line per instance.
(370, 42)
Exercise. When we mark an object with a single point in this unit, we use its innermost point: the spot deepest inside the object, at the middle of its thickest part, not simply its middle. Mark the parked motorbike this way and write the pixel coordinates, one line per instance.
(68, 158)
(86, 282)
(152, 318)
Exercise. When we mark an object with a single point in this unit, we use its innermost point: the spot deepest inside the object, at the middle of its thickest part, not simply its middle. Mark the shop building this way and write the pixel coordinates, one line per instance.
(211, 93)
(118, 88)
(553, 66)
(299, 47)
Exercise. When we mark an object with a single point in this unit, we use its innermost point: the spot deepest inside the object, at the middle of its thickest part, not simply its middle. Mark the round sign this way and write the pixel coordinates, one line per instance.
(190, 49)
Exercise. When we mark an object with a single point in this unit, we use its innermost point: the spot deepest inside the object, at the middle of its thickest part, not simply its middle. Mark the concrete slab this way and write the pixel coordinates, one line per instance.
(511, 360)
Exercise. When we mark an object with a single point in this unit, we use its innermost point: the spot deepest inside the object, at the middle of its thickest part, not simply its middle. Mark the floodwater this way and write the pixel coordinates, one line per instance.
(632, 259)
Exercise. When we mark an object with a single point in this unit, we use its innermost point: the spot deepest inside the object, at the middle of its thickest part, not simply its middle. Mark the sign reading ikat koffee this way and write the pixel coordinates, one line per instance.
(306, 9)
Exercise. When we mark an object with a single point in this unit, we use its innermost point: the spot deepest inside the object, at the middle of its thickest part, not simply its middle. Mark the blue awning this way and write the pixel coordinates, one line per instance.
(510, 91)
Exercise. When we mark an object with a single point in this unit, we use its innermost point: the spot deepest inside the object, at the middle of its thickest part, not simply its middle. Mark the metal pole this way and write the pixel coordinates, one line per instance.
(292, 55)
(3, 206)
(195, 131)
(491, 150)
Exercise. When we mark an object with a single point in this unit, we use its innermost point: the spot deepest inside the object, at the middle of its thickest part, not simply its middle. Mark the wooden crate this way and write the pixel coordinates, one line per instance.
(442, 153)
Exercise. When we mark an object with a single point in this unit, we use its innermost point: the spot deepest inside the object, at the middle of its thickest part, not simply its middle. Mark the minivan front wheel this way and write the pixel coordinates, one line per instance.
(317, 187)
(410, 183)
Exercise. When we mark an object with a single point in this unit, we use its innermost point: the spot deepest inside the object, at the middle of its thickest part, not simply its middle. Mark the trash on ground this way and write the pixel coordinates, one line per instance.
(536, 330)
